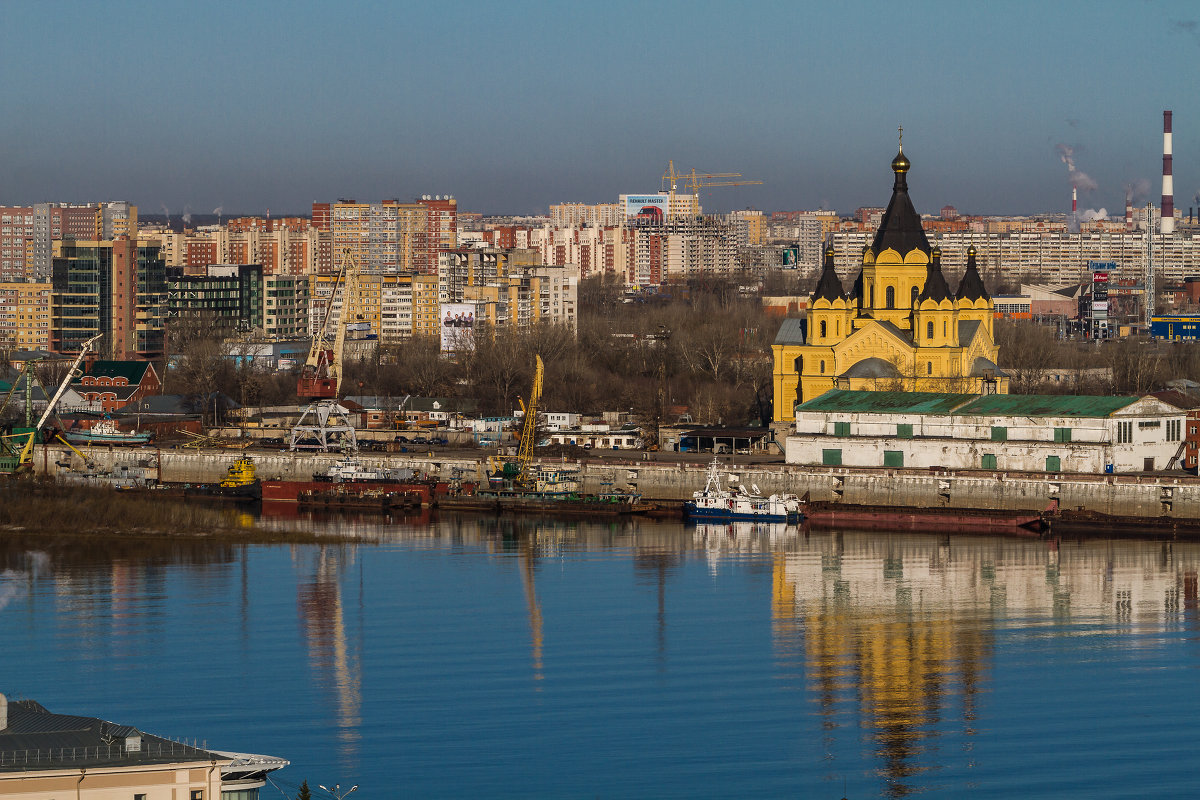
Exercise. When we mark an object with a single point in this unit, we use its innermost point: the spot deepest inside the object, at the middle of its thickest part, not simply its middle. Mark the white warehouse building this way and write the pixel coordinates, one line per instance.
(1007, 432)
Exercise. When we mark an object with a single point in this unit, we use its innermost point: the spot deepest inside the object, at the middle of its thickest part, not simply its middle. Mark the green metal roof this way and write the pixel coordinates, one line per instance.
(1046, 405)
(885, 402)
(132, 371)
(1011, 405)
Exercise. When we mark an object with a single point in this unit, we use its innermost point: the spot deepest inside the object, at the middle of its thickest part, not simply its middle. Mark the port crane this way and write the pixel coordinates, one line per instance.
(16, 457)
(321, 376)
(324, 422)
(519, 472)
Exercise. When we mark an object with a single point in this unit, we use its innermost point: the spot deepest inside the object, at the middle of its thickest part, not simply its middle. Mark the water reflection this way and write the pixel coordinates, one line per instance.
(331, 655)
(887, 642)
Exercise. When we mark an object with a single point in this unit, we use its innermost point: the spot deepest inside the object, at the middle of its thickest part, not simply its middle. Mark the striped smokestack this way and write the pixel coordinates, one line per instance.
(1167, 223)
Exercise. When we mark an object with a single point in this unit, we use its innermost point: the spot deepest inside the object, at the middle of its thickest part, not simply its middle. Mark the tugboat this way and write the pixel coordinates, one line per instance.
(240, 483)
(241, 480)
(717, 503)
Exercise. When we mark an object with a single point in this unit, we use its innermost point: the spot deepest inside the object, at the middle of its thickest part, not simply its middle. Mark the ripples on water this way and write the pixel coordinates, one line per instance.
(476, 657)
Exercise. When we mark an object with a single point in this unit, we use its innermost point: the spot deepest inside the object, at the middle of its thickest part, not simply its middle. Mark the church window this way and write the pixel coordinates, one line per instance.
(837, 327)
(929, 330)
(928, 367)
(871, 295)
(945, 330)
(822, 367)
(913, 298)
(890, 296)
(822, 329)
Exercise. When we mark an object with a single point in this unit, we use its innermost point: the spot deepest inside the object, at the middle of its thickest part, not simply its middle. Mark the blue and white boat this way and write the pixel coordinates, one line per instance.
(717, 503)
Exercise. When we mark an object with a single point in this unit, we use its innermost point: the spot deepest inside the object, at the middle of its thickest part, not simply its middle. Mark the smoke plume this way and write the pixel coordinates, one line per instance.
(166, 213)
(1137, 190)
(187, 215)
(218, 210)
(1091, 215)
(1080, 180)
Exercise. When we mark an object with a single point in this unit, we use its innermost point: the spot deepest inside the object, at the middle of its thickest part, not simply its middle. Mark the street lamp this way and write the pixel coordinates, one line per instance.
(336, 790)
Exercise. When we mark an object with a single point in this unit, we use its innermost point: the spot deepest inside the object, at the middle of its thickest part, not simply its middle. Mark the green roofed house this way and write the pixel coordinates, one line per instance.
(1040, 433)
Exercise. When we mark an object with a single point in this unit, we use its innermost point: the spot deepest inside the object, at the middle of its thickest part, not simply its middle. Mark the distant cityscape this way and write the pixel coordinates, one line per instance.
(71, 271)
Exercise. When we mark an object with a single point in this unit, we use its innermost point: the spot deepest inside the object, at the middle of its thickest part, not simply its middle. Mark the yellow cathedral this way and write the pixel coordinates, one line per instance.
(900, 328)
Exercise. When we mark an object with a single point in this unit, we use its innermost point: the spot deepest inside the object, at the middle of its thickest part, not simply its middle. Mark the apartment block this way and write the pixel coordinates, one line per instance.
(24, 316)
(510, 287)
(394, 306)
(16, 228)
(390, 236)
(1051, 257)
(241, 298)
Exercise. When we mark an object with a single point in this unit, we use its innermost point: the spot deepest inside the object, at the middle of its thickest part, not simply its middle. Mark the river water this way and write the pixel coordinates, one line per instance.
(476, 657)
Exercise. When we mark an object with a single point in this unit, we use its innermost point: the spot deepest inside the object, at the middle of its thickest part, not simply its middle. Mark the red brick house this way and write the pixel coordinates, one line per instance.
(111, 385)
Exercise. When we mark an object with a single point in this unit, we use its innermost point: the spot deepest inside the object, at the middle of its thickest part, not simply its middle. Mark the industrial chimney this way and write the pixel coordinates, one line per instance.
(1167, 222)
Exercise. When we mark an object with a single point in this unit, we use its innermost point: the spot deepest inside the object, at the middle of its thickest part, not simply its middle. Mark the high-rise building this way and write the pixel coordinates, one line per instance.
(24, 315)
(16, 228)
(117, 289)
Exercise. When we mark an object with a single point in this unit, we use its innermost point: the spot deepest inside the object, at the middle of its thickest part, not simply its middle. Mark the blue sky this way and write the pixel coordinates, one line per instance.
(513, 106)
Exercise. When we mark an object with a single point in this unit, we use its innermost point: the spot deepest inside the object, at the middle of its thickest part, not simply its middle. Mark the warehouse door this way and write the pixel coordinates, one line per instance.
(893, 458)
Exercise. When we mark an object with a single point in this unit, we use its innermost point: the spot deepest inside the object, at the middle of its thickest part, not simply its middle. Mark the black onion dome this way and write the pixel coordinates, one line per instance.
(829, 287)
(971, 287)
(936, 288)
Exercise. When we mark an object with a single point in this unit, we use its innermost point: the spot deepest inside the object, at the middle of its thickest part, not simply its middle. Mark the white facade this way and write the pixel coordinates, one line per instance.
(1146, 434)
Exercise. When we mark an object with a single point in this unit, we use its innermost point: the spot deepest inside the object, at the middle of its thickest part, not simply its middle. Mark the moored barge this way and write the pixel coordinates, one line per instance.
(820, 514)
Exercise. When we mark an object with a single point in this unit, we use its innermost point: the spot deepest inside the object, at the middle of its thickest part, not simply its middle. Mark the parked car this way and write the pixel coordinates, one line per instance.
(486, 442)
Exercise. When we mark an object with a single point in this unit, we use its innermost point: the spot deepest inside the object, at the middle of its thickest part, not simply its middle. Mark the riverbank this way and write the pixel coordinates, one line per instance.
(29, 507)
(1171, 496)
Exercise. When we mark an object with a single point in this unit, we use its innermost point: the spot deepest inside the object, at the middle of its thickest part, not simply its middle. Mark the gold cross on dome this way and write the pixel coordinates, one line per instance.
(901, 129)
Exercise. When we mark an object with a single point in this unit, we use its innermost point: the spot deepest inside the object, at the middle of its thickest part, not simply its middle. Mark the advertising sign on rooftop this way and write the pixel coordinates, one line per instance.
(1102, 266)
(645, 205)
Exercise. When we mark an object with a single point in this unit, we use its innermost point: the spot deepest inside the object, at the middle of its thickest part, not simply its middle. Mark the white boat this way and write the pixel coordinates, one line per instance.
(347, 470)
(717, 503)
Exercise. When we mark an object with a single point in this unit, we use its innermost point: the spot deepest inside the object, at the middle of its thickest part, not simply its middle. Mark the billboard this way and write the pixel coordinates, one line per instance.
(648, 205)
(458, 327)
(790, 256)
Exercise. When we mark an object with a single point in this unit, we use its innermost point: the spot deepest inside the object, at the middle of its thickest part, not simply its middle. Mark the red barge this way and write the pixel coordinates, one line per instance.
(349, 477)
(942, 519)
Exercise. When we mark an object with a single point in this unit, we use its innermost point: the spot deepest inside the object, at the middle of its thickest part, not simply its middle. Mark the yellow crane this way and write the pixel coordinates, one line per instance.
(529, 427)
(321, 376)
(695, 181)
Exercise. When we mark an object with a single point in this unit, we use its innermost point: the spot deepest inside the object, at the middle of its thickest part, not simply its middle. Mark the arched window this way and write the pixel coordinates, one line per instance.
(945, 330)
(822, 329)
(871, 296)
(837, 327)
(928, 367)
(929, 329)
(889, 295)
(822, 367)
(913, 299)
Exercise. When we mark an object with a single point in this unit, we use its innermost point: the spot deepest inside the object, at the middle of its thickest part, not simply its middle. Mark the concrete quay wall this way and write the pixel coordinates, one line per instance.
(663, 479)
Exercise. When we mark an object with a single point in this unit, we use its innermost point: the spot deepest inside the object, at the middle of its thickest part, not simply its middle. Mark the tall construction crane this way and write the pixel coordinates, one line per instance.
(695, 181)
(321, 376)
